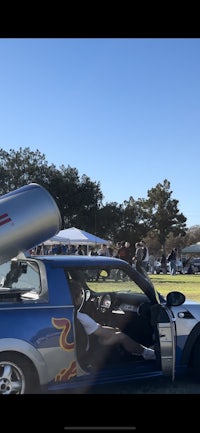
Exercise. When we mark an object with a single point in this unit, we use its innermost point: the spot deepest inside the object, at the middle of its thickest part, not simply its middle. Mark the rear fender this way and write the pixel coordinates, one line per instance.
(20, 346)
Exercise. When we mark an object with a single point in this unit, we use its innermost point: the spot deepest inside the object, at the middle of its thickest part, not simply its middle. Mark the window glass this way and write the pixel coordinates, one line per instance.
(108, 279)
(21, 278)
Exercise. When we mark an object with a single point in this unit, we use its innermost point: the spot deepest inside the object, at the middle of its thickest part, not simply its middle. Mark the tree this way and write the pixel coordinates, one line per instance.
(78, 198)
(18, 168)
(161, 213)
(133, 226)
(192, 236)
(108, 221)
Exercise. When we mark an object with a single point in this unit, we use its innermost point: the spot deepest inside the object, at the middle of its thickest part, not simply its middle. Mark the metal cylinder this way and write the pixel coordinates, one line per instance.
(28, 216)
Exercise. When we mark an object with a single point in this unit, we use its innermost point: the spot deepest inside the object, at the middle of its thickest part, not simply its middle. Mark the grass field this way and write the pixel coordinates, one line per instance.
(187, 284)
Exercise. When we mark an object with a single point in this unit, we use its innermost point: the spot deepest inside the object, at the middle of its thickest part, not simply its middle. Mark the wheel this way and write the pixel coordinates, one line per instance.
(17, 374)
(196, 361)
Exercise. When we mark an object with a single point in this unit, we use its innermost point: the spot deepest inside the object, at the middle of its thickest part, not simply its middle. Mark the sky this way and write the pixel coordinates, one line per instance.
(123, 111)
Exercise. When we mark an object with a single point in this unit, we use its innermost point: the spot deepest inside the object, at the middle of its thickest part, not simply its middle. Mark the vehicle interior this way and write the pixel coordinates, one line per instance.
(120, 304)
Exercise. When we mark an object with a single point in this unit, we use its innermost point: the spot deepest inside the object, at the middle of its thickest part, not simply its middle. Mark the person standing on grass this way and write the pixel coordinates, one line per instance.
(151, 263)
(145, 260)
(172, 261)
(128, 255)
(138, 258)
(163, 263)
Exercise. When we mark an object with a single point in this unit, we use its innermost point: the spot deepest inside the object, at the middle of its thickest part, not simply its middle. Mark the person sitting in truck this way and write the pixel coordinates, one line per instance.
(107, 335)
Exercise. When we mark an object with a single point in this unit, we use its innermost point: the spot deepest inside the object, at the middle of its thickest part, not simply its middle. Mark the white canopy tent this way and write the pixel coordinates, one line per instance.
(75, 236)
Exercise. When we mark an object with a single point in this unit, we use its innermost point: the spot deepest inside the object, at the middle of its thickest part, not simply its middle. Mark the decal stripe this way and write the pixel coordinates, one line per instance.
(4, 219)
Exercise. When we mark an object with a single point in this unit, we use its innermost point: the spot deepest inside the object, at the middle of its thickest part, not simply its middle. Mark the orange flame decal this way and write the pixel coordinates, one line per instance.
(66, 373)
(65, 325)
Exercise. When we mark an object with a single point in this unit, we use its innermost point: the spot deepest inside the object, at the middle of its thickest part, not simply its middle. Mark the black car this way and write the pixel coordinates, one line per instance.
(195, 263)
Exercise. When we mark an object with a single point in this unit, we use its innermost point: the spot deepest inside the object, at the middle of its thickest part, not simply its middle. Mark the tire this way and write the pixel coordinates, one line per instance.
(17, 374)
(196, 361)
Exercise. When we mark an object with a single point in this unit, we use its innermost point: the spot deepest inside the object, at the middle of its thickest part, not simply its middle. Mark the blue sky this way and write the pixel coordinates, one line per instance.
(123, 111)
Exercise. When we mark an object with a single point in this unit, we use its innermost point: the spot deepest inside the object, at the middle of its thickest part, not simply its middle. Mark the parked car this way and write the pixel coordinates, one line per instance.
(191, 265)
(179, 267)
(195, 263)
(43, 347)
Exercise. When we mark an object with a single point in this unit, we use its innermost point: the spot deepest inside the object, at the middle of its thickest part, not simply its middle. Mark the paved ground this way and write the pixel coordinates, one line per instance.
(153, 386)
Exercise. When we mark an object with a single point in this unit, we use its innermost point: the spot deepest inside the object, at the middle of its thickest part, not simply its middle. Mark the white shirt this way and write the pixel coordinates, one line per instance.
(146, 259)
(88, 323)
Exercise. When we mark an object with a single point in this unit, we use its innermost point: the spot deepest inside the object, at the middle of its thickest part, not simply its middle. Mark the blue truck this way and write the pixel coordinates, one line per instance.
(44, 348)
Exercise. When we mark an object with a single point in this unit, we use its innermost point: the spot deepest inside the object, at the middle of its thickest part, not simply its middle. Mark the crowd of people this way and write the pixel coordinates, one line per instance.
(138, 257)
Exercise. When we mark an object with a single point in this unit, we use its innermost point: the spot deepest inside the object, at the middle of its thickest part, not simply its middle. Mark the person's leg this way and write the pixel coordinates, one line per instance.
(130, 345)
(135, 348)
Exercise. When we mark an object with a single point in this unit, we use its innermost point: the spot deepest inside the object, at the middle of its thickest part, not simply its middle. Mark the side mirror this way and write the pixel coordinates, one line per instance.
(175, 298)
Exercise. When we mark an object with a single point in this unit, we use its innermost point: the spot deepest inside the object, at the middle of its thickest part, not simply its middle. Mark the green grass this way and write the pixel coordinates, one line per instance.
(187, 284)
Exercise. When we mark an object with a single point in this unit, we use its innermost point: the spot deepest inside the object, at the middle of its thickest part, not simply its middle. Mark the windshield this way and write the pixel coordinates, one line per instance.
(105, 280)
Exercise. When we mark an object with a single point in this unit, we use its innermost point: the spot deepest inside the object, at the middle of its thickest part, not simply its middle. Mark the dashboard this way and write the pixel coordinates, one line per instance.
(128, 311)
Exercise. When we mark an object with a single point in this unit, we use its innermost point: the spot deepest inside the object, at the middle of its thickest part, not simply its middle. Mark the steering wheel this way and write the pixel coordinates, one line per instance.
(86, 296)
(104, 303)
